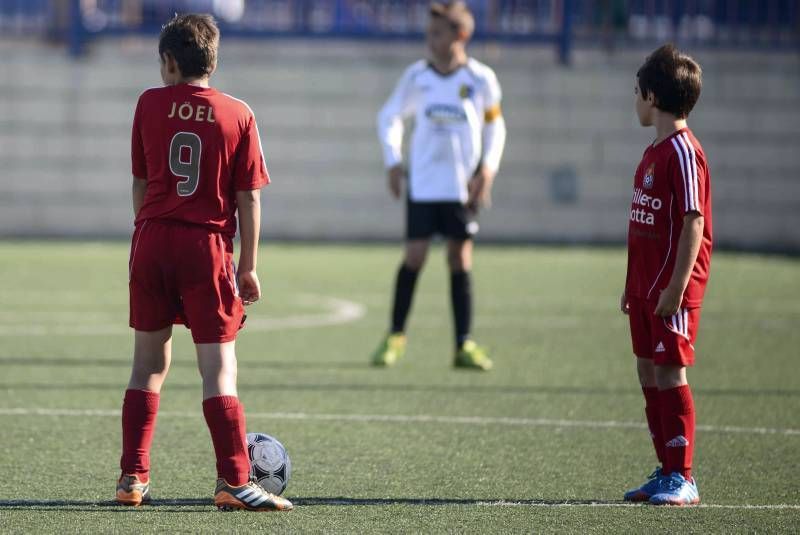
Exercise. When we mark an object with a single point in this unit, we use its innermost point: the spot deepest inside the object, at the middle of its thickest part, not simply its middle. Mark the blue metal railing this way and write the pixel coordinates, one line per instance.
(722, 23)
(771, 24)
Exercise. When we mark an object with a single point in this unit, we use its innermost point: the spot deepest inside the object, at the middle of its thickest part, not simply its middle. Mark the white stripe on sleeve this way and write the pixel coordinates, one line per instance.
(683, 171)
(691, 203)
(695, 180)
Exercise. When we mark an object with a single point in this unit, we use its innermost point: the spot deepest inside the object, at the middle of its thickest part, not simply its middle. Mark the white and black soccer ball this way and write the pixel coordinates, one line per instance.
(270, 466)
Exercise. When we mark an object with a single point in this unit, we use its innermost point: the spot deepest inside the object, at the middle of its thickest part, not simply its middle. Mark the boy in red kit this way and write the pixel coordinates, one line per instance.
(197, 159)
(669, 255)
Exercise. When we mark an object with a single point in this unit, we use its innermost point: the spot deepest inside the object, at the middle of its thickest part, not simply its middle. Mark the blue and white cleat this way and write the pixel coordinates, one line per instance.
(676, 490)
(650, 487)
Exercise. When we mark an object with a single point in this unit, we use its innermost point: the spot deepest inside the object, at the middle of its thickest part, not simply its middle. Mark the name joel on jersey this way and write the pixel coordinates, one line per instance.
(647, 203)
(197, 113)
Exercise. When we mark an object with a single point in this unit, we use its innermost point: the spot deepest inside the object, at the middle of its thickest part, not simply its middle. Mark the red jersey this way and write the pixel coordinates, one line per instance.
(196, 147)
(671, 180)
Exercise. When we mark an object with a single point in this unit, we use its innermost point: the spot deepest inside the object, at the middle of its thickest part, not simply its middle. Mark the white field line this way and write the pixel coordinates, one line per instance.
(422, 502)
(410, 419)
(335, 312)
(777, 506)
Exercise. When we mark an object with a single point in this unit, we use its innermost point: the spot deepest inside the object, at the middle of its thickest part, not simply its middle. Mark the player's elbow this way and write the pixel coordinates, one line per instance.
(248, 198)
(694, 221)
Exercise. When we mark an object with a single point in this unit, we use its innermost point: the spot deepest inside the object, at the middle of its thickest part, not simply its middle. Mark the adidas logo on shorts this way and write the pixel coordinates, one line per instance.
(660, 347)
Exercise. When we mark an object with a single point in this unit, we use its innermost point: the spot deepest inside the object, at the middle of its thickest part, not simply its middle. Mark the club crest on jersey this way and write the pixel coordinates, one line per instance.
(466, 91)
(649, 177)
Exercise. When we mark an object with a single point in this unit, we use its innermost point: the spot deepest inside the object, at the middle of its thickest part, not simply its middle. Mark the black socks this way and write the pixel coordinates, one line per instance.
(461, 298)
(403, 294)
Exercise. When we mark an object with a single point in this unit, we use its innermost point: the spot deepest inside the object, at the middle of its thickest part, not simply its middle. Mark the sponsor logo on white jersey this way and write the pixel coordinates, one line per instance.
(443, 114)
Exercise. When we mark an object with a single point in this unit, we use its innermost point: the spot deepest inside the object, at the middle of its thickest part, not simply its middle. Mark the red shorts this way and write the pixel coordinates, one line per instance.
(183, 273)
(665, 341)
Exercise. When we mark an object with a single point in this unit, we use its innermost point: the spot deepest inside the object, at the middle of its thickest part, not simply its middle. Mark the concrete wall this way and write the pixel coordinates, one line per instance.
(572, 148)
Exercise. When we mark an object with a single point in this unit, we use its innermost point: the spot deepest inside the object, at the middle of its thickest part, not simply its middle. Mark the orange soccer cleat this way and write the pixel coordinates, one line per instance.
(132, 491)
(250, 497)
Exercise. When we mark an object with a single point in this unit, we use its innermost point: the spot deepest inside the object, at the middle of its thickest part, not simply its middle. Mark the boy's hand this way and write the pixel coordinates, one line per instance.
(396, 177)
(624, 306)
(249, 287)
(669, 302)
(480, 188)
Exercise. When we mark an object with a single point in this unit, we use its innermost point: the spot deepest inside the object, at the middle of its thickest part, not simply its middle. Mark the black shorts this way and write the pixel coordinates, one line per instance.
(452, 220)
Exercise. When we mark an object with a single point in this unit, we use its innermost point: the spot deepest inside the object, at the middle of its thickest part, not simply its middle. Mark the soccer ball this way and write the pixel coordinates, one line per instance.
(270, 466)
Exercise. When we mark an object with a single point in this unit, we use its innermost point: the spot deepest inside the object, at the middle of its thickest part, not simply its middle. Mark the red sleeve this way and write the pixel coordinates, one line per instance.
(250, 171)
(138, 163)
(688, 174)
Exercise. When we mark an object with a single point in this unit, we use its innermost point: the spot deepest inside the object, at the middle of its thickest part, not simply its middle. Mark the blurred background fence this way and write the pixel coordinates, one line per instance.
(726, 23)
(316, 72)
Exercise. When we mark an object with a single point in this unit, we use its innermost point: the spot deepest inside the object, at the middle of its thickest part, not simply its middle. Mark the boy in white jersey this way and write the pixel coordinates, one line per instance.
(456, 148)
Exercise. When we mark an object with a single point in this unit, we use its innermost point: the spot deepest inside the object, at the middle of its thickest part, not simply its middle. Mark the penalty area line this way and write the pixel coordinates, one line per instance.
(334, 311)
(411, 419)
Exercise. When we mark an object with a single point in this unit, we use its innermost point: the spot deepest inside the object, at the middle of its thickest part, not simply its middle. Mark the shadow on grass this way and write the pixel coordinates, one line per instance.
(553, 390)
(178, 505)
(181, 363)
(346, 387)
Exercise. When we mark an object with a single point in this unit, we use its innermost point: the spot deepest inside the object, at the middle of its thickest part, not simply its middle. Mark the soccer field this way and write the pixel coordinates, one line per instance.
(547, 441)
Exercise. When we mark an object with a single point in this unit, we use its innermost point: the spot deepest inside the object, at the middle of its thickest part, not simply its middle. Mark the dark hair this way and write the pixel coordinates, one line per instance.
(192, 40)
(675, 80)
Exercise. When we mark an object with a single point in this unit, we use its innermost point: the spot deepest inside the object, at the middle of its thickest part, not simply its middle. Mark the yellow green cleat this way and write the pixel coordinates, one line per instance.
(392, 348)
(471, 355)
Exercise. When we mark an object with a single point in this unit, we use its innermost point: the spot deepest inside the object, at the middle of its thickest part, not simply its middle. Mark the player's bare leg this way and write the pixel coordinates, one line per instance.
(459, 260)
(393, 345)
(152, 354)
(218, 368)
(415, 254)
(647, 373)
(670, 376)
(459, 255)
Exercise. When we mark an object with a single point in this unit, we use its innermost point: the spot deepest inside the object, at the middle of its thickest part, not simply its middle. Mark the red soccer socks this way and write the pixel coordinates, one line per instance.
(677, 423)
(653, 412)
(139, 410)
(226, 422)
